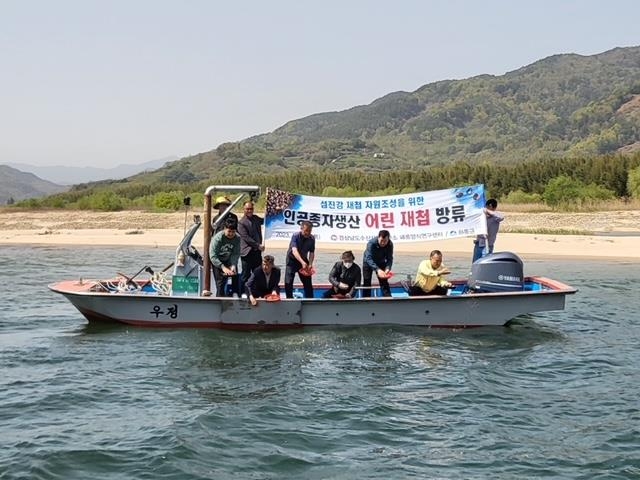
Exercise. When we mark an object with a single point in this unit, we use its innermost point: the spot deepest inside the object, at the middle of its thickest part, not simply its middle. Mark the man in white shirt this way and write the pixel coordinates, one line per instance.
(483, 244)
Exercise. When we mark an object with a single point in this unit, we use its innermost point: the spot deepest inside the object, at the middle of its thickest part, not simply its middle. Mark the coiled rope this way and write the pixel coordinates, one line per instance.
(160, 283)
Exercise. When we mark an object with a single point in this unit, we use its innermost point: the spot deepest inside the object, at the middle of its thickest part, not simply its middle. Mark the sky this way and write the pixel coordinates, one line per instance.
(106, 82)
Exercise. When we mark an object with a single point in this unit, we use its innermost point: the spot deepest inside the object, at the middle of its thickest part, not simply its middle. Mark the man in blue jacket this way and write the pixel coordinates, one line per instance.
(378, 258)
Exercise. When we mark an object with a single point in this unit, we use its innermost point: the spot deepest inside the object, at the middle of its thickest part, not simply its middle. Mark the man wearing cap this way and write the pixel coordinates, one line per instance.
(221, 205)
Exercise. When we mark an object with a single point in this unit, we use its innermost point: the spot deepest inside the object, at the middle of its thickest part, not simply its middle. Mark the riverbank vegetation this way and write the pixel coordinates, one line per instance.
(570, 184)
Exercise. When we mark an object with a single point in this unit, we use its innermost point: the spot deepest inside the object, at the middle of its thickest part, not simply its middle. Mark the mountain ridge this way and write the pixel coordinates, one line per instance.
(16, 185)
(564, 105)
(71, 175)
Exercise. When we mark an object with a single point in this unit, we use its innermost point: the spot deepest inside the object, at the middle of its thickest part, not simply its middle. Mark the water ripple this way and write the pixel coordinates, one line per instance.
(554, 395)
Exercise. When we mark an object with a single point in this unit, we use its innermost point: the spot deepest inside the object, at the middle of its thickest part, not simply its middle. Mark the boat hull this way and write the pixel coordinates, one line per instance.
(459, 311)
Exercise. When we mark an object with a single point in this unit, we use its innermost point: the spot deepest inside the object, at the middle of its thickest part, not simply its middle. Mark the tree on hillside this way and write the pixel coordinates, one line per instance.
(633, 182)
(564, 190)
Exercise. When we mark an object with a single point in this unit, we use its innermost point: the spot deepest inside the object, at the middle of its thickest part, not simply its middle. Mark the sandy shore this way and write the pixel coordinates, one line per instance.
(612, 234)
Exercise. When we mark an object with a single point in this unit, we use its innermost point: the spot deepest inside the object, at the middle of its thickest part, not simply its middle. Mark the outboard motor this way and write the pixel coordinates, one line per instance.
(497, 272)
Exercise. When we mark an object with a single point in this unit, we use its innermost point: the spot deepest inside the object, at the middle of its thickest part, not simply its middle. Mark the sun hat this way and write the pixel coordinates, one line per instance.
(221, 200)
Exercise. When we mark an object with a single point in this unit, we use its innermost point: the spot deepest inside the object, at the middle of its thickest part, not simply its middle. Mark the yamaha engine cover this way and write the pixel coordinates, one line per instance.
(497, 272)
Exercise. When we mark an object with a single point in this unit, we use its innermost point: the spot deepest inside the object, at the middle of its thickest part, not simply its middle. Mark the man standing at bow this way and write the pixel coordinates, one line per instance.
(483, 244)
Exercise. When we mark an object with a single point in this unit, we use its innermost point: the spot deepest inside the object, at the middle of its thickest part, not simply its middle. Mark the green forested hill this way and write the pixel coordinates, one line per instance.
(562, 106)
(566, 115)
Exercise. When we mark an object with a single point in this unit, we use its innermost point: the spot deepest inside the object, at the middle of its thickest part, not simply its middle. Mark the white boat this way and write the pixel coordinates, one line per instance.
(496, 293)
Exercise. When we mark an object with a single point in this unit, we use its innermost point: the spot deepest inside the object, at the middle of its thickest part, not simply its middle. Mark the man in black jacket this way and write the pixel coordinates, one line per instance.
(378, 258)
(264, 280)
(251, 248)
(345, 277)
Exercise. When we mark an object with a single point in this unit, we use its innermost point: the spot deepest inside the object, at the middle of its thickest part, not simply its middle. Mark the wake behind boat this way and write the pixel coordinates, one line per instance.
(495, 293)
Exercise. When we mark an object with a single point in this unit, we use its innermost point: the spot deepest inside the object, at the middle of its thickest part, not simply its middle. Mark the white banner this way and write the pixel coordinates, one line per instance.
(435, 215)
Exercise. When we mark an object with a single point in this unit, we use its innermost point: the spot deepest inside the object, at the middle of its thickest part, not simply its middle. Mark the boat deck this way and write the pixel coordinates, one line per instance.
(460, 288)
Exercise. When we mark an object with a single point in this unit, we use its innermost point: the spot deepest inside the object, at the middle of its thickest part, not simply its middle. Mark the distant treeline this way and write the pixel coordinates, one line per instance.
(610, 173)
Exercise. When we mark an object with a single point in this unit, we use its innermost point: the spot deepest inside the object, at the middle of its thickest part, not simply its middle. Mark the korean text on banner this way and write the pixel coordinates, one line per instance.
(434, 215)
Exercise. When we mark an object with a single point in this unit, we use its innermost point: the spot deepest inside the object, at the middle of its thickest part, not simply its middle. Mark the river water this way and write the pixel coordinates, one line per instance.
(553, 396)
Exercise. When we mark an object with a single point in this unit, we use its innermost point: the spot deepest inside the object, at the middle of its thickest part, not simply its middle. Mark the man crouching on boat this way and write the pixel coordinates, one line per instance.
(345, 278)
(429, 279)
(264, 280)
